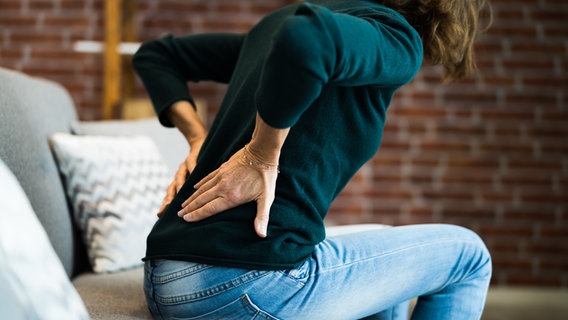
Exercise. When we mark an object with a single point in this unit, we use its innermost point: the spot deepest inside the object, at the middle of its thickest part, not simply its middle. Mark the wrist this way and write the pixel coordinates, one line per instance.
(252, 159)
(184, 116)
(266, 142)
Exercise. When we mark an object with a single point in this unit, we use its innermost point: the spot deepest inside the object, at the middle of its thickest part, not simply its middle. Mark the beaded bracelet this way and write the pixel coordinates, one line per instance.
(252, 161)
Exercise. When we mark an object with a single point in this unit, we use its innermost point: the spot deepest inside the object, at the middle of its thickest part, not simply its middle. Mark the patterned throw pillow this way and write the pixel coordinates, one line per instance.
(115, 185)
(33, 283)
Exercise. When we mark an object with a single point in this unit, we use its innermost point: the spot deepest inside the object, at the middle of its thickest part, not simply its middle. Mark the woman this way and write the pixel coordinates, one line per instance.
(241, 231)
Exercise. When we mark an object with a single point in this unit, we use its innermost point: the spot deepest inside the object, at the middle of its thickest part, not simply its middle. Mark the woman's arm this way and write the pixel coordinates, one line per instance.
(165, 66)
(316, 47)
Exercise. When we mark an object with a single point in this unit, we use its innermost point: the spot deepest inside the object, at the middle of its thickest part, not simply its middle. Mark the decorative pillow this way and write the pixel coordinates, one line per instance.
(116, 186)
(33, 283)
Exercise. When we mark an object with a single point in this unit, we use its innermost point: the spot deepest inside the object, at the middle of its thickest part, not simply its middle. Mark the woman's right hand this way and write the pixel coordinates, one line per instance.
(185, 168)
(184, 116)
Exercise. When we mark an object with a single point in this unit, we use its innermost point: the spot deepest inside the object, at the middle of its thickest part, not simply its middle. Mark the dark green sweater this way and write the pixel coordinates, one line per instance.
(328, 70)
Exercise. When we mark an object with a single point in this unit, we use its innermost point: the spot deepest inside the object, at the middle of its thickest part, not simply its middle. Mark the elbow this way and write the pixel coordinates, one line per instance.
(303, 42)
(140, 57)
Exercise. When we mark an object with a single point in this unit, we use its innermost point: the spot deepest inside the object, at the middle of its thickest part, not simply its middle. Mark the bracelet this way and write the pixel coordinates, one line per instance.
(253, 161)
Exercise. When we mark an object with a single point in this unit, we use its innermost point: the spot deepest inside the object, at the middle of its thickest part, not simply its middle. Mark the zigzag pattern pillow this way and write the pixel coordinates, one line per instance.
(116, 186)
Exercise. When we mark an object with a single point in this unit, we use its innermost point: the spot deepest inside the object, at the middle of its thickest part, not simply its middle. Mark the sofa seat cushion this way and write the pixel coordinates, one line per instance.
(118, 295)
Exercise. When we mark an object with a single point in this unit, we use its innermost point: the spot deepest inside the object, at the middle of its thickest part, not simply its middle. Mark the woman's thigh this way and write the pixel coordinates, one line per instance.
(353, 275)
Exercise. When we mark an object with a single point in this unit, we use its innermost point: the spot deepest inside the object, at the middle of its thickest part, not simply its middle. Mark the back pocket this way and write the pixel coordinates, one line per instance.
(240, 309)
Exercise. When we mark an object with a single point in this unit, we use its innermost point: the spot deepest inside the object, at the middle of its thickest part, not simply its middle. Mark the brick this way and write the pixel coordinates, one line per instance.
(526, 278)
(419, 112)
(64, 21)
(550, 114)
(11, 7)
(17, 21)
(449, 194)
(183, 7)
(530, 213)
(532, 165)
(74, 5)
(512, 179)
(553, 262)
(38, 5)
(469, 97)
(478, 214)
(511, 262)
(528, 62)
(549, 249)
(510, 147)
(515, 32)
(445, 145)
(471, 177)
(517, 230)
(520, 114)
(543, 195)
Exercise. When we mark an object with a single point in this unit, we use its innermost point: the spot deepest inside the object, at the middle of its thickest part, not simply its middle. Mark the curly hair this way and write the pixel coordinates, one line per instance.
(448, 29)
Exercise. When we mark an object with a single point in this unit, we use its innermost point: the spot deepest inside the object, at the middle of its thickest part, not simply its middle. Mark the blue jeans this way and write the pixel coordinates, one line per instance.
(357, 272)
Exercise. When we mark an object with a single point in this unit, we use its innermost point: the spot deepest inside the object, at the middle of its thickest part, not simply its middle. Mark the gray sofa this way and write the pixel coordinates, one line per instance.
(31, 110)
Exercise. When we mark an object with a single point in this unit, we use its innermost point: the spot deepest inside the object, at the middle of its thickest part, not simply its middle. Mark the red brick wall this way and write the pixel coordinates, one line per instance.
(489, 153)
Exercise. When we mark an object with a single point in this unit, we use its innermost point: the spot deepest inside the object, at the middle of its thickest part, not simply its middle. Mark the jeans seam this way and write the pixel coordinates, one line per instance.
(384, 254)
(179, 274)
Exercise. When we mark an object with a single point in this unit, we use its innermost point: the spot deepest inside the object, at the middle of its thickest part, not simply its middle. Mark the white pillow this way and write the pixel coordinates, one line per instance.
(115, 186)
(33, 283)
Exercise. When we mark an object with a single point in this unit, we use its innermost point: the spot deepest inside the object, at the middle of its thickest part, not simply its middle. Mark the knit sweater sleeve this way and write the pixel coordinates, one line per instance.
(166, 65)
(316, 47)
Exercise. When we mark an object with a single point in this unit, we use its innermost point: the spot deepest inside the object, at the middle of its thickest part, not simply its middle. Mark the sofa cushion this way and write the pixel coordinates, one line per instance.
(31, 109)
(118, 295)
(33, 282)
(170, 142)
(116, 186)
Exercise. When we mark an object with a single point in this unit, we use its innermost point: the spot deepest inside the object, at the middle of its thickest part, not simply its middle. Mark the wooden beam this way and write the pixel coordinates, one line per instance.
(112, 60)
(130, 35)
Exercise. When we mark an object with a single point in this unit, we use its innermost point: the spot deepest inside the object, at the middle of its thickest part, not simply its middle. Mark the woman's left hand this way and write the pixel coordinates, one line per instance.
(239, 180)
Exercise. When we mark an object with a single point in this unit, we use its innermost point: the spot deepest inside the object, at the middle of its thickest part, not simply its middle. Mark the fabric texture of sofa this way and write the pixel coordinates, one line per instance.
(31, 111)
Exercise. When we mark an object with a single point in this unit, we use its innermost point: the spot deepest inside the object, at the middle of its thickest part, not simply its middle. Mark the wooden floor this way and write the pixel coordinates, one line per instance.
(526, 303)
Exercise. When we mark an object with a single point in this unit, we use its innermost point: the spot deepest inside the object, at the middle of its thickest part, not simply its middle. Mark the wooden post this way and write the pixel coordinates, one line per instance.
(112, 60)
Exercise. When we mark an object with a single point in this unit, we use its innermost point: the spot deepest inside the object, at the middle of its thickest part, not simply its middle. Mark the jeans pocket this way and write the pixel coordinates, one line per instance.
(300, 273)
(240, 309)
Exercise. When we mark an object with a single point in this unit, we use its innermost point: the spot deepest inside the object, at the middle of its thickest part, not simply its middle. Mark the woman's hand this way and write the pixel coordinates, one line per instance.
(243, 178)
(184, 116)
(185, 168)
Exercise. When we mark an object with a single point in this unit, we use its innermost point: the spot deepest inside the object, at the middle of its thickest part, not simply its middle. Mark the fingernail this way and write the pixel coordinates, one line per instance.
(180, 213)
(187, 218)
(263, 232)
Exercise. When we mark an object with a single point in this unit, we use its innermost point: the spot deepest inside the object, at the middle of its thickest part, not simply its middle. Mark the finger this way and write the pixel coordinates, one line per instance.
(196, 203)
(262, 216)
(170, 194)
(180, 177)
(209, 182)
(207, 178)
(190, 164)
(211, 208)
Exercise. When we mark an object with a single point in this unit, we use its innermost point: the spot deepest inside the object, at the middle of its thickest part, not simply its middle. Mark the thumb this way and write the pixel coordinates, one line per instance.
(262, 217)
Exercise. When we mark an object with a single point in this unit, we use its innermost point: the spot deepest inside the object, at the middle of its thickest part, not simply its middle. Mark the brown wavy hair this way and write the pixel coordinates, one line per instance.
(448, 29)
